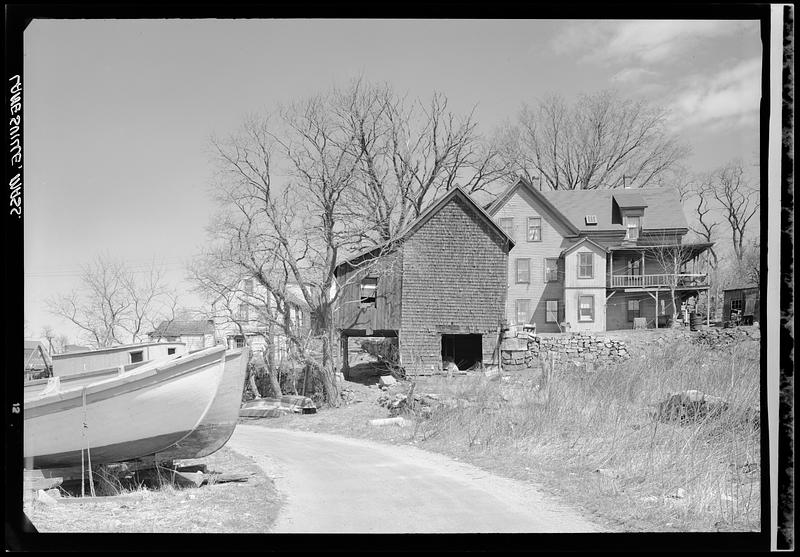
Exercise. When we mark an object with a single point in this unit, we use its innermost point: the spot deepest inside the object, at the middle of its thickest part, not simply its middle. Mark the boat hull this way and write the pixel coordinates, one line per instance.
(130, 416)
(218, 425)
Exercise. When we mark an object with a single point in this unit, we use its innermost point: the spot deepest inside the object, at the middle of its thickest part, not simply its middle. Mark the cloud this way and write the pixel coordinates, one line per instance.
(731, 97)
(633, 75)
(639, 41)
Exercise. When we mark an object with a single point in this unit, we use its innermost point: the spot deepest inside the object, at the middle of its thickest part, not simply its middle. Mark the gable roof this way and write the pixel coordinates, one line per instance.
(665, 209)
(539, 197)
(180, 328)
(629, 199)
(425, 216)
(584, 240)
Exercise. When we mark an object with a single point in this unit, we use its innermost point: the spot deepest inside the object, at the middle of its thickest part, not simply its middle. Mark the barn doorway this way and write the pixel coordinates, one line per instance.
(466, 351)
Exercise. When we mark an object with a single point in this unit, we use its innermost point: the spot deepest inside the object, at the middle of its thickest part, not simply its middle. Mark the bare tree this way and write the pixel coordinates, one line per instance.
(49, 335)
(739, 200)
(408, 153)
(601, 141)
(704, 212)
(112, 305)
(671, 256)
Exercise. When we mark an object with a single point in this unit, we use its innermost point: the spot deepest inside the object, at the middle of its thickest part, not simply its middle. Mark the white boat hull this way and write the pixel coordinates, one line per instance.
(132, 415)
(218, 425)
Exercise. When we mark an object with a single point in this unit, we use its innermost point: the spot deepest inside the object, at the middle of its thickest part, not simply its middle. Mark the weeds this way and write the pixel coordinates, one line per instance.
(596, 426)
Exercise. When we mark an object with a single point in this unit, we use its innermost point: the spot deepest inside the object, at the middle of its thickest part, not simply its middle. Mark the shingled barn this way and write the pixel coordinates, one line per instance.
(439, 287)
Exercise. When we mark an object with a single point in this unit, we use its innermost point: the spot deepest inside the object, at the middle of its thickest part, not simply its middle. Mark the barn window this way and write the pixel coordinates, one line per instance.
(248, 286)
(534, 229)
(737, 305)
(586, 308)
(551, 311)
(550, 270)
(586, 265)
(523, 270)
(170, 351)
(137, 357)
(633, 309)
(369, 291)
(239, 342)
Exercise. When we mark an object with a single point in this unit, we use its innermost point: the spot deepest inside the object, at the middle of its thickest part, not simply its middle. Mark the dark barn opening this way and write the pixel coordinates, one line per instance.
(464, 350)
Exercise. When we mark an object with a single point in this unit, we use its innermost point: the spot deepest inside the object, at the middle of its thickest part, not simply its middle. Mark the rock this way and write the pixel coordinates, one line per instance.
(679, 493)
(386, 381)
(690, 405)
(43, 497)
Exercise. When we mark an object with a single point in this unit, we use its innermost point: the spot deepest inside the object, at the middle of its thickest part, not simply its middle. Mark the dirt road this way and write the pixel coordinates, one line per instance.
(335, 484)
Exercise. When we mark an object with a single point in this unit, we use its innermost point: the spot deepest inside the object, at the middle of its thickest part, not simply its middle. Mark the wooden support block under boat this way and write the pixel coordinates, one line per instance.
(134, 414)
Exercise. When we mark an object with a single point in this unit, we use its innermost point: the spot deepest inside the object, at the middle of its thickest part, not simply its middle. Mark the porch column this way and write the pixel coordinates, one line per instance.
(610, 268)
(656, 308)
(708, 307)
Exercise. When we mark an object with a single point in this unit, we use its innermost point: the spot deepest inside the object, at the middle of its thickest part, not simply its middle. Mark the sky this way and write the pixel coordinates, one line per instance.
(119, 113)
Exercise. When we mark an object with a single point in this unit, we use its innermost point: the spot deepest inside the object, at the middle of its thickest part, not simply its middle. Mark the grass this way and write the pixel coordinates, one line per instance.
(235, 507)
(589, 437)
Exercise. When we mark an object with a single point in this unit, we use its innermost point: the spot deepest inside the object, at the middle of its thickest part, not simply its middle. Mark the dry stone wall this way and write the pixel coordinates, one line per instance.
(520, 350)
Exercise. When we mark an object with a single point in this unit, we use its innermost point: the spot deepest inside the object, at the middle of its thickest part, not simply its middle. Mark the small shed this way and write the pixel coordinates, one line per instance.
(38, 363)
(741, 304)
(195, 334)
(439, 287)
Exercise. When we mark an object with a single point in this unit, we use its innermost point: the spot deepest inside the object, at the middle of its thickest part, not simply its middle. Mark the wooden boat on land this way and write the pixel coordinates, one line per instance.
(217, 426)
(136, 413)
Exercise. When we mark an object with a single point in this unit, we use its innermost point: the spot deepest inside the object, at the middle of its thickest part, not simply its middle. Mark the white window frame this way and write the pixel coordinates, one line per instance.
(527, 267)
(548, 311)
(632, 231)
(591, 264)
(528, 313)
(531, 227)
(581, 318)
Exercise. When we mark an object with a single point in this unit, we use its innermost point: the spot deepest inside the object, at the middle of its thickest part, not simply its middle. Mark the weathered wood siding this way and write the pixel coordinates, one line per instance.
(351, 315)
(454, 282)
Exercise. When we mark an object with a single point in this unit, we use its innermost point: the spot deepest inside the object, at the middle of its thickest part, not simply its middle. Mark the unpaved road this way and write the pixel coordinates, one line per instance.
(335, 484)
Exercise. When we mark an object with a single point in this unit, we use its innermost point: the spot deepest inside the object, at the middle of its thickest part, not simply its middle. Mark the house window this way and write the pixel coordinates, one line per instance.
(551, 311)
(242, 313)
(585, 265)
(635, 267)
(137, 357)
(239, 342)
(737, 305)
(632, 225)
(523, 311)
(507, 224)
(369, 290)
(248, 286)
(170, 351)
(534, 229)
(585, 308)
(550, 269)
(633, 309)
(523, 270)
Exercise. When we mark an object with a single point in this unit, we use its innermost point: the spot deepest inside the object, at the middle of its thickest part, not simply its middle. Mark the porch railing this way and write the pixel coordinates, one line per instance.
(665, 280)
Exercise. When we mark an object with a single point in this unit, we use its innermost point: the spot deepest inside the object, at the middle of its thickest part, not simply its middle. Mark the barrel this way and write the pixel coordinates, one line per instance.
(696, 322)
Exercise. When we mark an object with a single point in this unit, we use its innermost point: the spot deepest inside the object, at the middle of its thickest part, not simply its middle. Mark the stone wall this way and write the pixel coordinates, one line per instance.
(520, 350)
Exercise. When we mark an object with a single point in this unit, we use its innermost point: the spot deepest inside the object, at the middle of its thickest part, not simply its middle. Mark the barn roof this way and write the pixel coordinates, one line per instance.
(424, 217)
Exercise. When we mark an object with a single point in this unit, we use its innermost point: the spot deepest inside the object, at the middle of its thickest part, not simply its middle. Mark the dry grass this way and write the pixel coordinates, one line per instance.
(589, 438)
(218, 508)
